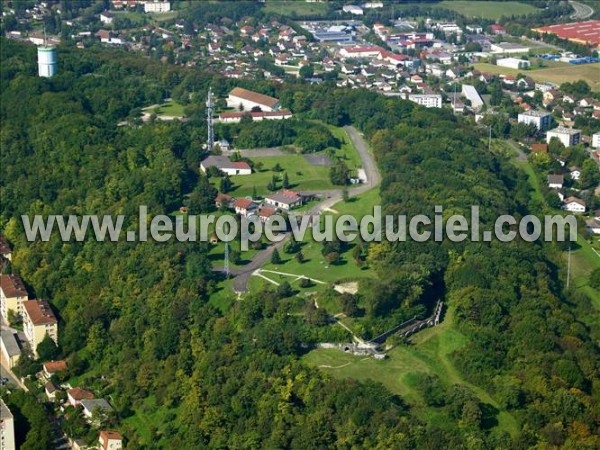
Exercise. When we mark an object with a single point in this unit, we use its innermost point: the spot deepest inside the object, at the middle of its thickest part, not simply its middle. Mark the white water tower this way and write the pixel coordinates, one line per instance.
(47, 61)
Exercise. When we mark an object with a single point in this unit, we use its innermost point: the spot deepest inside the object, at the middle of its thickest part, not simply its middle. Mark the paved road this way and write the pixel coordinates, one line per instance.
(330, 198)
(581, 11)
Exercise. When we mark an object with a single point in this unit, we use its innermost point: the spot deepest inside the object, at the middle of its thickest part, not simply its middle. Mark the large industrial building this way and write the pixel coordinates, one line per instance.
(586, 33)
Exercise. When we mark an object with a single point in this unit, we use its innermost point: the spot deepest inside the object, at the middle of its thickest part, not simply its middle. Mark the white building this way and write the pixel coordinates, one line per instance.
(541, 119)
(225, 165)
(574, 204)
(508, 47)
(568, 136)
(473, 96)
(596, 140)
(257, 116)
(448, 28)
(245, 100)
(106, 17)
(373, 5)
(7, 428)
(157, 6)
(513, 63)
(353, 9)
(427, 100)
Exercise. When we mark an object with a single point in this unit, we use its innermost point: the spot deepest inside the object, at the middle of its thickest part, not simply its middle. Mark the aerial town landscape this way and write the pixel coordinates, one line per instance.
(253, 111)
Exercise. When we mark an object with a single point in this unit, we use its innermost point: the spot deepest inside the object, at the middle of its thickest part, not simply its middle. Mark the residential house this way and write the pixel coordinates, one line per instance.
(593, 225)
(284, 199)
(555, 181)
(38, 321)
(575, 172)
(76, 395)
(244, 206)
(223, 199)
(92, 405)
(52, 367)
(106, 17)
(50, 388)
(574, 204)
(12, 295)
(265, 212)
(110, 440)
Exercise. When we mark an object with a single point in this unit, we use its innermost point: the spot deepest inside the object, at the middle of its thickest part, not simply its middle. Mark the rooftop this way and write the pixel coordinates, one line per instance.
(535, 113)
(12, 286)
(255, 97)
(39, 312)
(565, 130)
(9, 340)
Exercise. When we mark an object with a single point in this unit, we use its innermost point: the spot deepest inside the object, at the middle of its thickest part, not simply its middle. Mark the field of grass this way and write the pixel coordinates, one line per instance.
(294, 8)
(302, 175)
(429, 354)
(170, 108)
(558, 75)
(348, 152)
(486, 10)
(583, 261)
(315, 266)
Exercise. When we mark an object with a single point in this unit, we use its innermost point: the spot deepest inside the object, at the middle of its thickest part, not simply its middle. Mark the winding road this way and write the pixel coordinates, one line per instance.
(582, 11)
(330, 197)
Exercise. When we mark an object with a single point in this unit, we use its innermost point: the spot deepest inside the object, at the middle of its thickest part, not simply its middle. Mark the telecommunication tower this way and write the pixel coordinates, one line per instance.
(209, 121)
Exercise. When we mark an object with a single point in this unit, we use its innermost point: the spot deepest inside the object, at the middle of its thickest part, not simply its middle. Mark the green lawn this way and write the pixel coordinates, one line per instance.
(485, 9)
(302, 175)
(295, 8)
(316, 267)
(348, 151)
(170, 108)
(536, 193)
(429, 354)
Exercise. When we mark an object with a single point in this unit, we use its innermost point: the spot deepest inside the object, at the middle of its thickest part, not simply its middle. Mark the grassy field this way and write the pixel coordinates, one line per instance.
(302, 175)
(294, 8)
(583, 261)
(429, 354)
(558, 75)
(487, 10)
(348, 152)
(170, 108)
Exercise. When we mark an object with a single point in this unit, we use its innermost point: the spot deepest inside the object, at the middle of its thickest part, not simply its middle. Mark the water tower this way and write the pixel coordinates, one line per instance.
(47, 61)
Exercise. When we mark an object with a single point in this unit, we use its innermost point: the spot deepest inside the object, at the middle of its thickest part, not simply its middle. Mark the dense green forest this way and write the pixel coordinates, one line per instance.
(136, 322)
